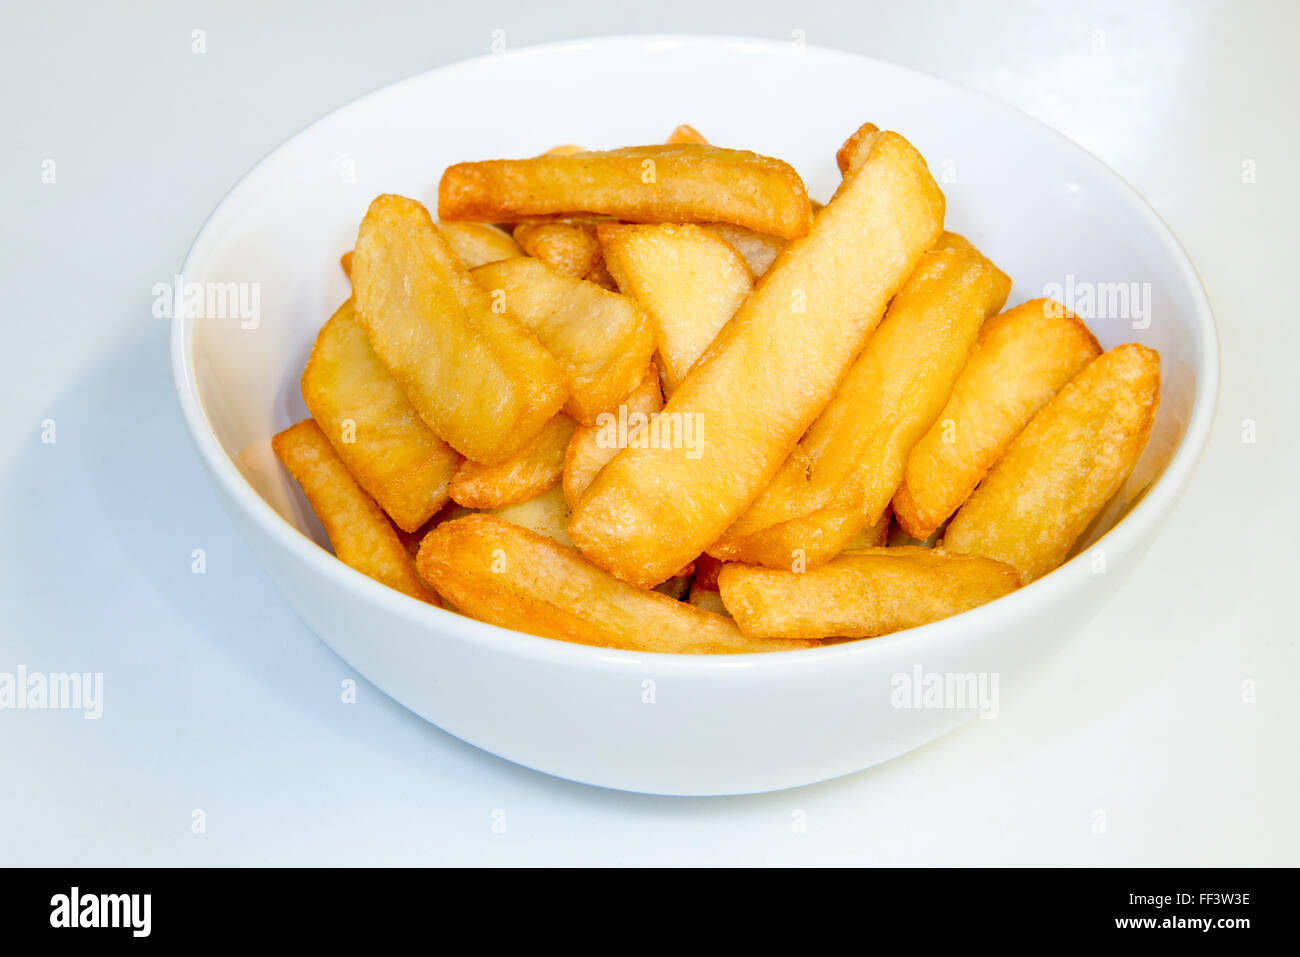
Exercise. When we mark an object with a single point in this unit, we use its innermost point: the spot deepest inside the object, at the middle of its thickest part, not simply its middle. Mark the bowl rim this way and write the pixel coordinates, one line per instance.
(1131, 531)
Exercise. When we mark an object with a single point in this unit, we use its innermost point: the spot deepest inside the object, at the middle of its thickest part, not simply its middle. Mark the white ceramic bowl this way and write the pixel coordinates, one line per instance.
(1042, 208)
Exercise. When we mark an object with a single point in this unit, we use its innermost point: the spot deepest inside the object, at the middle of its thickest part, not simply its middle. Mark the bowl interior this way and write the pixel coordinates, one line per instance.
(1057, 221)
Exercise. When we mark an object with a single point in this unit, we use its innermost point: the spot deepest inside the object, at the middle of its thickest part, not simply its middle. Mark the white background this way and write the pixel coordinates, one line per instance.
(1135, 747)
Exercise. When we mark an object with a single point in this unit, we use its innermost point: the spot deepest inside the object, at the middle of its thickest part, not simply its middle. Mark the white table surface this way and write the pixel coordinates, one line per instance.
(218, 698)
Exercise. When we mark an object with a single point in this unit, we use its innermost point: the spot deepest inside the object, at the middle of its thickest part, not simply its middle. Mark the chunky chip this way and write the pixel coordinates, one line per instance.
(844, 472)
(547, 514)
(526, 474)
(513, 577)
(600, 276)
(592, 447)
(846, 154)
(372, 426)
(799, 543)
(896, 535)
(862, 594)
(571, 249)
(476, 244)
(768, 375)
(568, 149)
(602, 340)
(357, 528)
(476, 375)
(685, 134)
(1058, 474)
(872, 536)
(690, 282)
(758, 249)
(676, 183)
(473, 243)
(1021, 359)
(707, 599)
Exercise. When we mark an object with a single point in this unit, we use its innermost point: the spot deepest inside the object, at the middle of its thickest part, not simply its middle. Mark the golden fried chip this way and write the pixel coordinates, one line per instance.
(759, 249)
(600, 276)
(862, 594)
(476, 244)
(473, 243)
(797, 543)
(872, 536)
(707, 599)
(510, 576)
(950, 240)
(1058, 473)
(526, 474)
(372, 426)
(593, 446)
(767, 376)
(844, 158)
(689, 281)
(679, 183)
(1021, 359)
(547, 514)
(571, 248)
(843, 473)
(897, 535)
(357, 528)
(475, 374)
(602, 340)
(685, 134)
